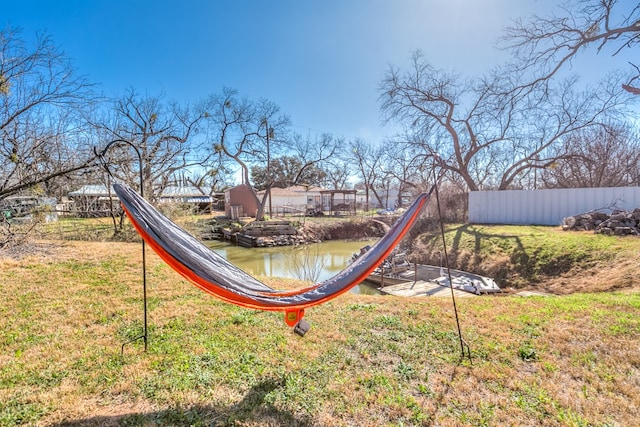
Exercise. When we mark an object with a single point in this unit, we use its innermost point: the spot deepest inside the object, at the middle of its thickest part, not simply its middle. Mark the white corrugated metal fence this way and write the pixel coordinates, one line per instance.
(546, 207)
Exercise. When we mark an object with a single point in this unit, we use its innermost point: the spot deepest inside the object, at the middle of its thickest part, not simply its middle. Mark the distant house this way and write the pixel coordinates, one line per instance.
(96, 201)
(240, 202)
(363, 203)
(93, 201)
(25, 208)
(180, 194)
(192, 196)
(296, 199)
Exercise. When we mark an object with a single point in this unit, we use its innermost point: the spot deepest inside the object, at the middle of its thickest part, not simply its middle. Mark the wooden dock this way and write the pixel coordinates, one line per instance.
(422, 288)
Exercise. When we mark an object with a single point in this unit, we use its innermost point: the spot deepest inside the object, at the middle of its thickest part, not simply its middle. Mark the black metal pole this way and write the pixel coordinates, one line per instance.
(145, 335)
(463, 344)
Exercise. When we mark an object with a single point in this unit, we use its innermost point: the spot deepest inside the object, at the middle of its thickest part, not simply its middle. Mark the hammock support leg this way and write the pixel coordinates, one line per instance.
(465, 350)
(101, 156)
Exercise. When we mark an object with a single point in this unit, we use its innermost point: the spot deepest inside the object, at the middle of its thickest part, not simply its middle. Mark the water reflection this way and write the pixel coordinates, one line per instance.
(314, 262)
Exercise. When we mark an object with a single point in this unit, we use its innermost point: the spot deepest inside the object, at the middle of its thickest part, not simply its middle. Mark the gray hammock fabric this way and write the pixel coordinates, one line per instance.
(217, 276)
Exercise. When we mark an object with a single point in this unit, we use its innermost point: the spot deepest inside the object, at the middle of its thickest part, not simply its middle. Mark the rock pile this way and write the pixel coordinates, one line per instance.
(283, 233)
(268, 233)
(279, 240)
(617, 223)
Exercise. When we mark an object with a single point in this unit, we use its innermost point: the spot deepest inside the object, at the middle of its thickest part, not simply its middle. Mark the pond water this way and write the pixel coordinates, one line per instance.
(313, 262)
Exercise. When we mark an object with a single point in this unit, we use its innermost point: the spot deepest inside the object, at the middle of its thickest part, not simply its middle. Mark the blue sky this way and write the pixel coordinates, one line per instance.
(320, 61)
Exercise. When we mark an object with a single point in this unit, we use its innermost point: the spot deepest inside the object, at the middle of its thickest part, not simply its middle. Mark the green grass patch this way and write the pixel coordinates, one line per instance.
(519, 255)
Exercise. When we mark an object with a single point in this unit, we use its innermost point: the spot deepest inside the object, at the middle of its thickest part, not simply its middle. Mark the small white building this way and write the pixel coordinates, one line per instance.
(389, 198)
(296, 199)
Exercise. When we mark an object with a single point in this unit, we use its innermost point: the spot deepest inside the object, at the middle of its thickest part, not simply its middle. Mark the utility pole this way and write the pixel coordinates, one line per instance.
(269, 134)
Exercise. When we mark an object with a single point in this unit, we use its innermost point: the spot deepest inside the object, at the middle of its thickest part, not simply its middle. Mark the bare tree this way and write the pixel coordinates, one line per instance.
(216, 176)
(41, 102)
(315, 153)
(486, 132)
(547, 44)
(606, 156)
(406, 169)
(367, 160)
(162, 132)
(301, 165)
(287, 171)
(338, 172)
(247, 132)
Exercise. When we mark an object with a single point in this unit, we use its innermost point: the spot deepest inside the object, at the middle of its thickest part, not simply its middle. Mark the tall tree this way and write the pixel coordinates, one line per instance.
(247, 132)
(314, 154)
(338, 171)
(487, 132)
(215, 177)
(41, 119)
(406, 170)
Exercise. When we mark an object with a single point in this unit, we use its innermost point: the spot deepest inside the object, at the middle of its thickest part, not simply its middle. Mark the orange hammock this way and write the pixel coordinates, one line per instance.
(217, 276)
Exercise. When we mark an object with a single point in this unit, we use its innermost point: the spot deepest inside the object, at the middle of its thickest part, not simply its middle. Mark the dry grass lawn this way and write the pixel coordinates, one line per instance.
(569, 360)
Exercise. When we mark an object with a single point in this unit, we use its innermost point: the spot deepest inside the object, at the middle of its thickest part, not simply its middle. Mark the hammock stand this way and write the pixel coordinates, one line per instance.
(193, 260)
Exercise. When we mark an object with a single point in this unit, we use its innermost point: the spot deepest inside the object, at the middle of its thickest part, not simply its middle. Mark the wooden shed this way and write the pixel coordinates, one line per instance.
(239, 202)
